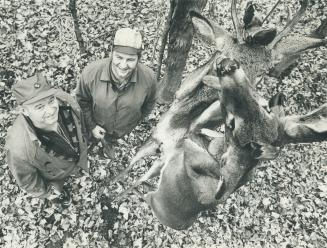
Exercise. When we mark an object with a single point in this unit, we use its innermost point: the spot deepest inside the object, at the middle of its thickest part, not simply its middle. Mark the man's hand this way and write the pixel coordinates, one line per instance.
(98, 132)
(53, 192)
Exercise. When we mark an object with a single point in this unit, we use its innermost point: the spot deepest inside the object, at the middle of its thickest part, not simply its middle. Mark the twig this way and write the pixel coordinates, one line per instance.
(78, 33)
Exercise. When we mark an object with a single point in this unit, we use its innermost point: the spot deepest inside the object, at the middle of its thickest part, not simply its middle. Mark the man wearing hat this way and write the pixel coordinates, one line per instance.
(115, 93)
(47, 141)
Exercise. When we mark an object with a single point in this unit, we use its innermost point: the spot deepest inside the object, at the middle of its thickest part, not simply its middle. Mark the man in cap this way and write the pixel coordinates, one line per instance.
(47, 141)
(115, 93)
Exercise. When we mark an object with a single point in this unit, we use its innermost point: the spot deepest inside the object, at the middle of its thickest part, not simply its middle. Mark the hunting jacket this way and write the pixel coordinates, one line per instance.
(117, 111)
(33, 168)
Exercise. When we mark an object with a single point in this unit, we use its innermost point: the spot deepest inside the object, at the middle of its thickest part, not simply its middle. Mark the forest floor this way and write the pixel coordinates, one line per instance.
(284, 206)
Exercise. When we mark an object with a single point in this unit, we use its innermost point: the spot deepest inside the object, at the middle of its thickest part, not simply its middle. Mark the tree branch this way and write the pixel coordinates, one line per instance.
(78, 33)
(165, 36)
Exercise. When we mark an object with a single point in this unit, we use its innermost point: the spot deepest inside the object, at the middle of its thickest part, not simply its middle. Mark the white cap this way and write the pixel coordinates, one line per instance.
(128, 40)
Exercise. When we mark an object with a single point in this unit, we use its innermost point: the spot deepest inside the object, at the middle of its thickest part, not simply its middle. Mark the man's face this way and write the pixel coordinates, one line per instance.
(43, 113)
(123, 65)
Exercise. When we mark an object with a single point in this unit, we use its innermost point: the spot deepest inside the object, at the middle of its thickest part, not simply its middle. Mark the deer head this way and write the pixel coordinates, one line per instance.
(259, 50)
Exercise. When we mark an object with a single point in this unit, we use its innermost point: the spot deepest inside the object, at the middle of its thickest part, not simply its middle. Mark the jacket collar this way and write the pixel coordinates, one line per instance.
(106, 73)
(29, 128)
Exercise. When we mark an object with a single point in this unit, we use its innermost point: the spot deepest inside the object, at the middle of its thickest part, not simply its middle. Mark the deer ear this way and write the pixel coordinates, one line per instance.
(202, 25)
(248, 14)
(277, 103)
(264, 37)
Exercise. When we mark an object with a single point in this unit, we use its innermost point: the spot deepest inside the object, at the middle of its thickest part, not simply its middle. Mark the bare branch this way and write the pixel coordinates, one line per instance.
(78, 33)
(165, 36)
(159, 23)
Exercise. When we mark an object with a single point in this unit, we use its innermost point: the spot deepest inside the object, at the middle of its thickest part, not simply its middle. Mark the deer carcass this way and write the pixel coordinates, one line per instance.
(199, 174)
(200, 167)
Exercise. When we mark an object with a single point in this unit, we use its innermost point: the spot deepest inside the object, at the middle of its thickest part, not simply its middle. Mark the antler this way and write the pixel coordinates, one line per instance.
(236, 23)
(291, 24)
(273, 8)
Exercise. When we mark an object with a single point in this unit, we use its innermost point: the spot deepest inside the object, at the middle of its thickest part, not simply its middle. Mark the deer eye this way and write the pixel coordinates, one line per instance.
(255, 149)
(231, 124)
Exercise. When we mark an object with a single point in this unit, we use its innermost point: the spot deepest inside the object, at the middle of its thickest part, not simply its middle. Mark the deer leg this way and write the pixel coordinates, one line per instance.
(192, 81)
(151, 147)
(289, 26)
(127, 191)
(153, 172)
(212, 113)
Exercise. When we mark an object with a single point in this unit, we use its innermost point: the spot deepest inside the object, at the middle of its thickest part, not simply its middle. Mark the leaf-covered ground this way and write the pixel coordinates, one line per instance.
(284, 206)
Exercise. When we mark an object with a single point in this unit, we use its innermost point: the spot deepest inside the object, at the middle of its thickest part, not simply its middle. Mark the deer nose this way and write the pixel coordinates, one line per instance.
(230, 121)
(226, 67)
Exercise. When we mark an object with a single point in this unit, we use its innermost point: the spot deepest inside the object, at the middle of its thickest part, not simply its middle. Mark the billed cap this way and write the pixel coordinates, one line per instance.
(128, 41)
(32, 89)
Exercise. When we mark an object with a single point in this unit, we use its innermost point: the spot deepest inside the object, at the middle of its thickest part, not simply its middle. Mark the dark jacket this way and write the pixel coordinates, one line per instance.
(31, 166)
(117, 111)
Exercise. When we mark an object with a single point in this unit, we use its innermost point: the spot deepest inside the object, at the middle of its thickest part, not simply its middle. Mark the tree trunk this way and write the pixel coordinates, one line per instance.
(180, 41)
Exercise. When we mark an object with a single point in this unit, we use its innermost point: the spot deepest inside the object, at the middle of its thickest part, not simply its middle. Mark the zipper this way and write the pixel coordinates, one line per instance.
(65, 138)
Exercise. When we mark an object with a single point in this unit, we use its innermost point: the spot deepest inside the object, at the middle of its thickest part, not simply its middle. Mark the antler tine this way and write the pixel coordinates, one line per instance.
(236, 23)
(291, 24)
(288, 18)
(273, 8)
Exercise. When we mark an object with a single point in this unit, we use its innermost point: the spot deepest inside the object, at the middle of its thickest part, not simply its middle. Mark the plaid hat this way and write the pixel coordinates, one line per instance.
(128, 41)
(32, 89)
